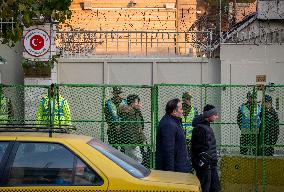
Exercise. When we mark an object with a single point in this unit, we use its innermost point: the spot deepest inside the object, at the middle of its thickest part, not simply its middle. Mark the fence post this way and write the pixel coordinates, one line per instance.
(154, 122)
(129, 44)
(146, 43)
(56, 92)
(205, 95)
(49, 106)
(250, 146)
(103, 114)
(1, 93)
(262, 137)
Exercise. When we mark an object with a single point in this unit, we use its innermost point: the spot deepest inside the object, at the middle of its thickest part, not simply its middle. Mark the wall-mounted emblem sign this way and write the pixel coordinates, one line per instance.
(260, 82)
(37, 42)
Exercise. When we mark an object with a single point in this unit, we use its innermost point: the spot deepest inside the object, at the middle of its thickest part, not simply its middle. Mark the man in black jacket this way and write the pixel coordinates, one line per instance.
(271, 128)
(203, 147)
(171, 149)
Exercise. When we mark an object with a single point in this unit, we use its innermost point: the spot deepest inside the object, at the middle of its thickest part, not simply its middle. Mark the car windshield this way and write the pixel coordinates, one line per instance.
(128, 164)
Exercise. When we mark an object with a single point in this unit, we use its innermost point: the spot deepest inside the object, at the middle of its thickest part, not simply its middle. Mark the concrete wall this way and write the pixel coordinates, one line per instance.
(270, 9)
(142, 71)
(11, 72)
(241, 63)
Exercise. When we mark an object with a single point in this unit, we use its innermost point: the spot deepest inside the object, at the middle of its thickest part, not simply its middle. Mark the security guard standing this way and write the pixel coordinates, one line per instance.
(270, 127)
(114, 131)
(53, 110)
(6, 109)
(189, 112)
(249, 122)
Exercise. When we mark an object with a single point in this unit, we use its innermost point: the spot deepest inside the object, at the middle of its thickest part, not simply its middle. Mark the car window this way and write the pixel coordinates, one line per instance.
(84, 175)
(128, 164)
(49, 164)
(3, 147)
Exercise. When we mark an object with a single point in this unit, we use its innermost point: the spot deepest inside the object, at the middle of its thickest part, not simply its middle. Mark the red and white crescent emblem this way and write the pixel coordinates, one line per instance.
(37, 42)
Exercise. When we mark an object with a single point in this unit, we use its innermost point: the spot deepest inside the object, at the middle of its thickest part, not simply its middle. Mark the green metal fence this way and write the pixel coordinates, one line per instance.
(254, 164)
(247, 163)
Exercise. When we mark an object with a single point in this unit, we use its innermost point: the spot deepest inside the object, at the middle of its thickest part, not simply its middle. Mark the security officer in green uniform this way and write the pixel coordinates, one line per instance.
(6, 109)
(189, 112)
(112, 117)
(54, 110)
(249, 122)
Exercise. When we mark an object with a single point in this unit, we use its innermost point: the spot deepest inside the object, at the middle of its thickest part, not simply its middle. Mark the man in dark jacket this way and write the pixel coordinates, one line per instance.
(271, 127)
(171, 149)
(132, 127)
(203, 148)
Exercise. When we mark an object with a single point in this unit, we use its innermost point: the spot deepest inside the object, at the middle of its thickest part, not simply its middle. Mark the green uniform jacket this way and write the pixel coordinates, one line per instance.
(132, 130)
(56, 111)
(187, 122)
(6, 110)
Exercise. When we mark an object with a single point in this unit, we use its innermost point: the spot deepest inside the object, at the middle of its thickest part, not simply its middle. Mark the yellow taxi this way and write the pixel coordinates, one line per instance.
(38, 161)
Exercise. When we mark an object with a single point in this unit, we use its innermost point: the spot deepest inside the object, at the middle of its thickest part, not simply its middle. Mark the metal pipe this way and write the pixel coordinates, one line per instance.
(126, 8)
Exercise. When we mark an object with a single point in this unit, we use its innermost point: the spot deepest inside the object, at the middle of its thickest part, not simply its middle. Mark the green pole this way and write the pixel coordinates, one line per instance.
(103, 115)
(56, 91)
(1, 94)
(205, 96)
(252, 109)
(264, 178)
(154, 123)
(49, 106)
(201, 99)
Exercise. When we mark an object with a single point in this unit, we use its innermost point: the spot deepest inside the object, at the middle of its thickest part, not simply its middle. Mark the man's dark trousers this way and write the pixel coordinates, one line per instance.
(209, 179)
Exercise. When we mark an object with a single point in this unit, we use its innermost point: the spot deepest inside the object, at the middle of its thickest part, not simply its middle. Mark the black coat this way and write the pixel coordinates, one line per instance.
(271, 126)
(203, 144)
(171, 149)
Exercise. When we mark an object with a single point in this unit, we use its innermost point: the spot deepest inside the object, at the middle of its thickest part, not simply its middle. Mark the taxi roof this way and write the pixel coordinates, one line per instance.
(43, 135)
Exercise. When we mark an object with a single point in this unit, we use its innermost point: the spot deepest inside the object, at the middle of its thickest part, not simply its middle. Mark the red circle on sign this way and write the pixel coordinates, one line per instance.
(37, 42)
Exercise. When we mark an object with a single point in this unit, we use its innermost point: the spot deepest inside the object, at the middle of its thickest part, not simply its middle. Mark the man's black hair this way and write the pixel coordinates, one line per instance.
(131, 98)
(208, 107)
(172, 105)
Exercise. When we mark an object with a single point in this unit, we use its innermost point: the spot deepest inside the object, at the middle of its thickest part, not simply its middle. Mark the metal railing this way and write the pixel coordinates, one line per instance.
(132, 43)
(251, 37)
(257, 37)
(3, 22)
